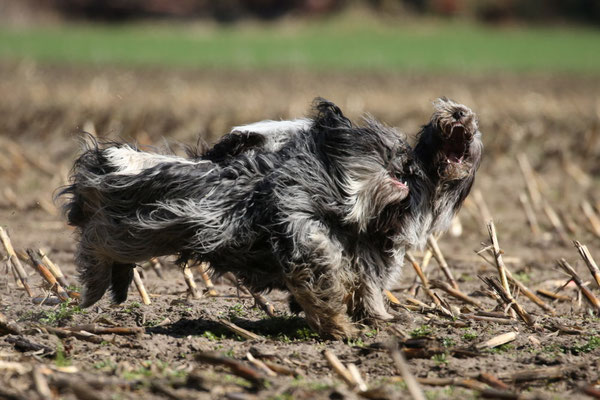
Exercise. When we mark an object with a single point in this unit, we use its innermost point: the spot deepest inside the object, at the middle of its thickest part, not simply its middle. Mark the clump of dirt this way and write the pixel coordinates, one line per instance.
(552, 120)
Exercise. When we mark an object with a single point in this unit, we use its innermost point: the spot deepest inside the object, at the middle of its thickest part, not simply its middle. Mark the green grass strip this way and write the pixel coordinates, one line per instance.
(339, 43)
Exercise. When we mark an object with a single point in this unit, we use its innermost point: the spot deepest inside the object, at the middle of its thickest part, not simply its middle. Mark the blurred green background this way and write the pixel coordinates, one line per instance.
(448, 35)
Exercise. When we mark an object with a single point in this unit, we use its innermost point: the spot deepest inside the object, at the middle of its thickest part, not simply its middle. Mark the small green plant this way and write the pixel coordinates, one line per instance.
(448, 392)
(502, 348)
(282, 337)
(318, 386)
(237, 310)
(229, 353)
(237, 381)
(61, 360)
(306, 334)
(300, 334)
(133, 306)
(139, 373)
(63, 312)
(154, 368)
(371, 333)
(422, 331)
(25, 316)
(440, 358)
(448, 342)
(469, 336)
(212, 336)
(553, 348)
(153, 322)
(358, 342)
(282, 396)
(177, 373)
(105, 364)
(592, 344)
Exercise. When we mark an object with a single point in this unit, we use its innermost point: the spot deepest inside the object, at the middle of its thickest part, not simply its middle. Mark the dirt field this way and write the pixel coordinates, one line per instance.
(553, 120)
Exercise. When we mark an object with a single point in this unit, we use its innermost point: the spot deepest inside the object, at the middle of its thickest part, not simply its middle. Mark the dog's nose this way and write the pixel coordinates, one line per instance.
(458, 114)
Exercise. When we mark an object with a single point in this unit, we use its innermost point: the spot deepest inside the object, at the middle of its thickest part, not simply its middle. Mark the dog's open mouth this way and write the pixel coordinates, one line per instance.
(399, 184)
(456, 144)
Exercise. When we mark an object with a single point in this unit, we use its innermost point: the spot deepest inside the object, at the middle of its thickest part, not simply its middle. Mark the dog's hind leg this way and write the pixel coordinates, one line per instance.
(121, 277)
(94, 275)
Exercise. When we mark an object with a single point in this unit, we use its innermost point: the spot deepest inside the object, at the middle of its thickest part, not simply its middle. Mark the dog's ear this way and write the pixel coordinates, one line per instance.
(328, 115)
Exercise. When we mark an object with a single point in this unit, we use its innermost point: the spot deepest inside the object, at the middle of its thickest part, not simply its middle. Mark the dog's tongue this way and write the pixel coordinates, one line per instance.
(401, 185)
(454, 158)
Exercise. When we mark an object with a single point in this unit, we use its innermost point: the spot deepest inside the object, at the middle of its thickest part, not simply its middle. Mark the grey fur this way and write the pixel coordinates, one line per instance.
(323, 213)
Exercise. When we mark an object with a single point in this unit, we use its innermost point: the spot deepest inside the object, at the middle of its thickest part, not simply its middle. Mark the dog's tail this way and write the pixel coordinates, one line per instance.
(102, 185)
(87, 172)
(96, 274)
(110, 173)
(131, 205)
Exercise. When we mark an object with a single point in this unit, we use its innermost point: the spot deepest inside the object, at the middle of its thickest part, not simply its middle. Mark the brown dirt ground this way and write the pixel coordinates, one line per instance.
(555, 120)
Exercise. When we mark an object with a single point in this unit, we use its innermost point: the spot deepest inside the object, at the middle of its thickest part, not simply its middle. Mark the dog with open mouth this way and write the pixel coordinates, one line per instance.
(438, 178)
(450, 142)
(442, 169)
(319, 207)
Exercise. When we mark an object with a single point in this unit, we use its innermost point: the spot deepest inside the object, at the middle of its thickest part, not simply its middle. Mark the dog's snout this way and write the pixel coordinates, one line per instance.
(458, 114)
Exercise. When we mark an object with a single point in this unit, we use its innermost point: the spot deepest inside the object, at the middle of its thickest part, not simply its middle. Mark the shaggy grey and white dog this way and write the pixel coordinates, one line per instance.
(319, 207)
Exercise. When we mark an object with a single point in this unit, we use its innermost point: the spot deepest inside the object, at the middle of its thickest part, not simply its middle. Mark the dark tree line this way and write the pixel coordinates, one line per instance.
(496, 11)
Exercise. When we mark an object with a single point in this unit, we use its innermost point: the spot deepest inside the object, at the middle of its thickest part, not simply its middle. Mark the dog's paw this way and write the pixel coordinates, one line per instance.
(383, 317)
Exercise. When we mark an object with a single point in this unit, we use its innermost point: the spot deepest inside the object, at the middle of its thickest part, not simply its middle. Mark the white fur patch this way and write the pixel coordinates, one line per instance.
(369, 191)
(276, 132)
(359, 204)
(130, 161)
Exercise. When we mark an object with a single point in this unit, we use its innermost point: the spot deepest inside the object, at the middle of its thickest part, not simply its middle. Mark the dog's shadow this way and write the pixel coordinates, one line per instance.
(280, 327)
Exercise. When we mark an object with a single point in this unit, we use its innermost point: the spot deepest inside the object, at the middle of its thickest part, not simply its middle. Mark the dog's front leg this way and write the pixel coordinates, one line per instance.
(368, 303)
(377, 274)
(318, 277)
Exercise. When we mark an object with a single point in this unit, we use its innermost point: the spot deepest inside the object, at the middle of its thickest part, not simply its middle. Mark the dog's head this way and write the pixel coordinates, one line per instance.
(370, 164)
(377, 176)
(453, 138)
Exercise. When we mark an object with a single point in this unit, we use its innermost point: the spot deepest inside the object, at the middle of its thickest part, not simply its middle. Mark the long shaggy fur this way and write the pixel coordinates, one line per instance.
(319, 207)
